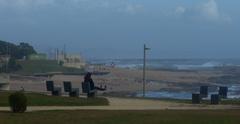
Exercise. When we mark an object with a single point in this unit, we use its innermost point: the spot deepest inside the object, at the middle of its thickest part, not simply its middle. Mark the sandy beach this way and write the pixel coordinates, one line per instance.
(121, 80)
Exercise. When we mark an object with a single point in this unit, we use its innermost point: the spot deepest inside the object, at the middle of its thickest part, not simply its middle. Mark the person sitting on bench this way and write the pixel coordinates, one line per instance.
(89, 79)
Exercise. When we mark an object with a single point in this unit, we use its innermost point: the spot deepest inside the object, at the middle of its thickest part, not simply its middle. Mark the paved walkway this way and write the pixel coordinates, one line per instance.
(134, 104)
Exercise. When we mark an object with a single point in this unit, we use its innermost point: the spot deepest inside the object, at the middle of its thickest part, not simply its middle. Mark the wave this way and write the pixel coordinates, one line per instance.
(177, 64)
(233, 93)
(205, 65)
(131, 66)
(166, 94)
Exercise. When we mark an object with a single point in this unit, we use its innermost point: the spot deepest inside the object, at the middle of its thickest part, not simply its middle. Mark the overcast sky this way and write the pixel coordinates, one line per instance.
(119, 28)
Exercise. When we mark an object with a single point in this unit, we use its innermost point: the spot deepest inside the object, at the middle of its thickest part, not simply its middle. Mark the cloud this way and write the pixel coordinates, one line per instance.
(122, 6)
(131, 8)
(208, 11)
(125, 6)
(25, 3)
(211, 12)
(180, 10)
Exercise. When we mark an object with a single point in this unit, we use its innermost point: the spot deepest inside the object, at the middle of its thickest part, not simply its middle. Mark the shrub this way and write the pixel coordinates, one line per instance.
(18, 102)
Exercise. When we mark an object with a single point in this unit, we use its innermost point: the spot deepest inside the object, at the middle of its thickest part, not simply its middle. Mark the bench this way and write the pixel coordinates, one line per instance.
(73, 92)
(56, 91)
(204, 91)
(223, 92)
(196, 98)
(215, 99)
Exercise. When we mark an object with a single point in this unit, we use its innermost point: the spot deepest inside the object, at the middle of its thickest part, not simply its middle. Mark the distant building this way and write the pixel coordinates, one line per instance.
(73, 61)
(4, 59)
(40, 56)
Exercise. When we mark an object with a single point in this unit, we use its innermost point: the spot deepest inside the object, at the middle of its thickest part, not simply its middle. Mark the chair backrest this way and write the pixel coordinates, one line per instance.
(196, 98)
(67, 86)
(223, 92)
(86, 87)
(50, 85)
(215, 99)
(204, 91)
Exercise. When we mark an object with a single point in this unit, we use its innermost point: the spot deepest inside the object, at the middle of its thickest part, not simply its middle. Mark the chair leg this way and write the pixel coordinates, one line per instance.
(91, 95)
(74, 94)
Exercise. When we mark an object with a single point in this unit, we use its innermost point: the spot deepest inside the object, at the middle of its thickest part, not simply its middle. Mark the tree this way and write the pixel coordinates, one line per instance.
(25, 50)
(13, 66)
(16, 51)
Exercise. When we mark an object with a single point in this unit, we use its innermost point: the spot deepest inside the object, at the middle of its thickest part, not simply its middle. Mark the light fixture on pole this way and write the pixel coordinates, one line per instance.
(144, 68)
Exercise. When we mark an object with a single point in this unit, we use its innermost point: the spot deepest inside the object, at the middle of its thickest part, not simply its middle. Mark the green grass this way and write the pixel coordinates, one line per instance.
(232, 102)
(44, 100)
(206, 102)
(123, 117)
(30, 67)
(203, 102)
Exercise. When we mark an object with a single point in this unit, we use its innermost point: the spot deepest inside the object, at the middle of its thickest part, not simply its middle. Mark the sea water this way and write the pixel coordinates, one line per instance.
(179, 64)
(233, 93)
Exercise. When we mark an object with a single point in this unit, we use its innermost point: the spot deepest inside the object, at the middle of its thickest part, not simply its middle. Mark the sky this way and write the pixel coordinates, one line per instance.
(119, 28)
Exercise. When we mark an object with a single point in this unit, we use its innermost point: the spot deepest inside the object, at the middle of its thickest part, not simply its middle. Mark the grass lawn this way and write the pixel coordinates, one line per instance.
(123, 117)
(207, 102)
(203, 102)
(44, 100)
(30, 67)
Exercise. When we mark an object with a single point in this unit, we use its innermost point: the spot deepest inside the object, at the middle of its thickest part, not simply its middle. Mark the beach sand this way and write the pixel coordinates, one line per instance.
(123, 81)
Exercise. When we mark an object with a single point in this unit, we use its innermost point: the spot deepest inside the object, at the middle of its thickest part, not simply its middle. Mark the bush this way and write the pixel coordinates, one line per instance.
(18, 102)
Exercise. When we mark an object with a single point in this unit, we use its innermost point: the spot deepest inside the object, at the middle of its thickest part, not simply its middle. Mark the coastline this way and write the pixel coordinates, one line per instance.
(127, 82)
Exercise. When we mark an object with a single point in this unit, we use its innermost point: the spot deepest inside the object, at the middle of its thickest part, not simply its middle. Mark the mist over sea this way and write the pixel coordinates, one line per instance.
(175, 65)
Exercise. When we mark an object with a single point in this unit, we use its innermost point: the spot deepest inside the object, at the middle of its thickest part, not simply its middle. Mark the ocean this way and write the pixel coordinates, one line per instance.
(179, 64)
(175, 64)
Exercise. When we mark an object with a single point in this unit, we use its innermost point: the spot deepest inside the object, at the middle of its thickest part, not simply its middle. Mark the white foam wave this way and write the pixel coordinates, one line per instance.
(131, 66)
(205, 65)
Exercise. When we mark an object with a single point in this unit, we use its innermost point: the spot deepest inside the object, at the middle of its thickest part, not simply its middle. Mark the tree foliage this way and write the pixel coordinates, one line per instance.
(16, 51)
(11, 66)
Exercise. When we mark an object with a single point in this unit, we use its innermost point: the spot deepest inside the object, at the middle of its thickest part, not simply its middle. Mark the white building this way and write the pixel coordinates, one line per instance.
(69, 60)
(4, 59)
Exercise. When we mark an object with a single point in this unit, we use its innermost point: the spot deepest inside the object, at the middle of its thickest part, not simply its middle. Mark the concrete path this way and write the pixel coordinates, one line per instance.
(133, 104)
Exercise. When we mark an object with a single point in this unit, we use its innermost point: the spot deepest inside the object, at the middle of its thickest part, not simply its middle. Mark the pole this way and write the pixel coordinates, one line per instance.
(144, 69)
(64, 52)
(7, 63)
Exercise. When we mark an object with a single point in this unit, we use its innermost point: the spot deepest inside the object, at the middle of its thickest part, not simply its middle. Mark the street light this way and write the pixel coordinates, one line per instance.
(144, 68)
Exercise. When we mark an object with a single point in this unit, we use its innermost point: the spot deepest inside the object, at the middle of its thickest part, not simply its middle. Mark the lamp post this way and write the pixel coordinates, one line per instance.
(144, 68)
